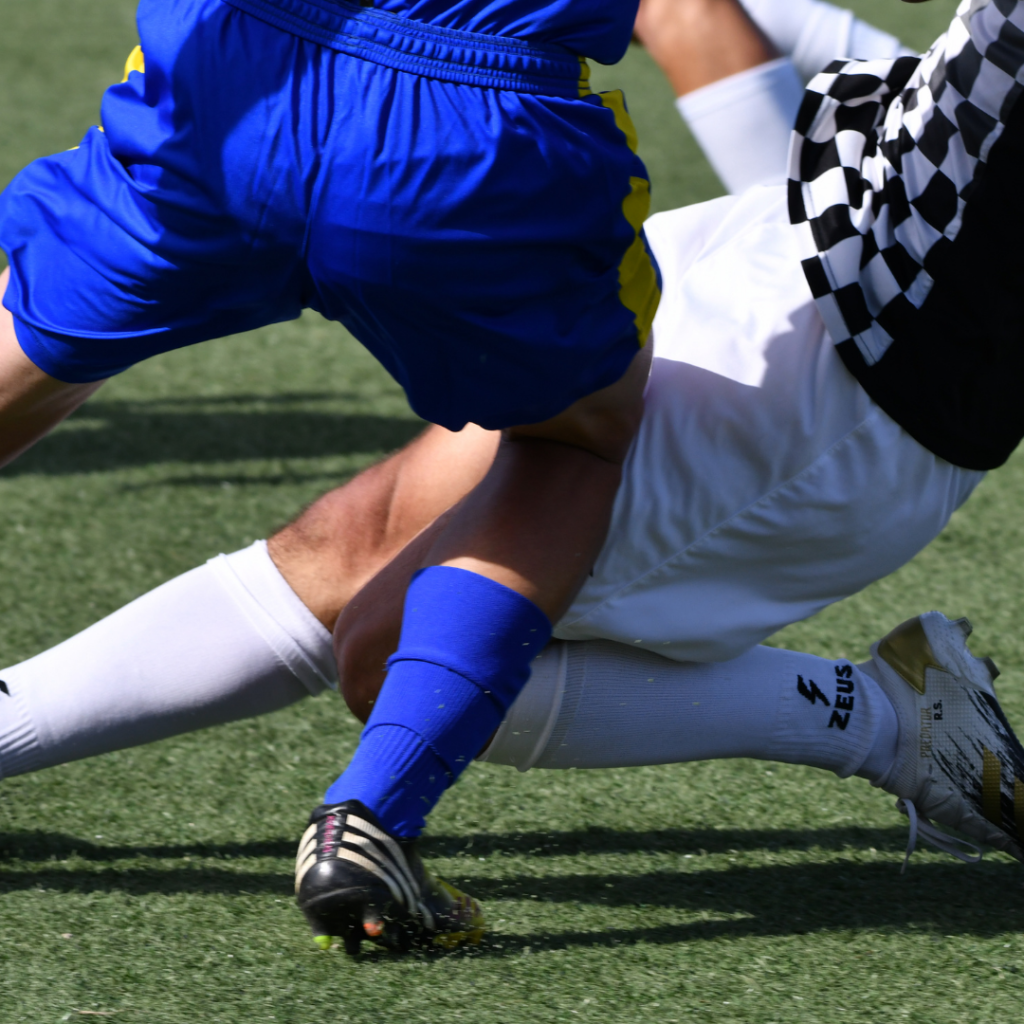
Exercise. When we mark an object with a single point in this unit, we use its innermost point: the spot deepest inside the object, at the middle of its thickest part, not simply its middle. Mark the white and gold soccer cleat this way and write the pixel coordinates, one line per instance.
(958, 762)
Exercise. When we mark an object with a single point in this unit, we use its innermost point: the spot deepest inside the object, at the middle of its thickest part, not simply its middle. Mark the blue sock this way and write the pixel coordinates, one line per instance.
(465, 653)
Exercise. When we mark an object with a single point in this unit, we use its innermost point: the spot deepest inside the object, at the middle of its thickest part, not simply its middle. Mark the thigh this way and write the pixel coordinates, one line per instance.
(860, 511)
(31, 401)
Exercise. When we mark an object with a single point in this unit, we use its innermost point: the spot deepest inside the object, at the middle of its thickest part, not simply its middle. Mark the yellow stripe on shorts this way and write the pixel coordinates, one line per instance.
(584, 81)
(135, 62)
(638, 280)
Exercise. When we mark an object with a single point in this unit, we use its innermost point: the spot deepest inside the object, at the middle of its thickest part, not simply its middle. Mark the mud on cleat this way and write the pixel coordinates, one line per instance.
(958, 762)
(355, 881)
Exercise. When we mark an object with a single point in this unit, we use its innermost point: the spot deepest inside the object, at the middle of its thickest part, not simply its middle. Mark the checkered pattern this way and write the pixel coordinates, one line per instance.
(883, 160)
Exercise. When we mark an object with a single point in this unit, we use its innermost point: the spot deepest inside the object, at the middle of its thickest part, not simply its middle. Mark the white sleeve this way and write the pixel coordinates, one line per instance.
(814, 33)
(743, 123)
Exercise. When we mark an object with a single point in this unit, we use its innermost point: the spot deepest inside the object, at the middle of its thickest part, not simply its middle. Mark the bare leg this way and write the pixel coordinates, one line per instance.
(738, 100)
(367, 630)
(344, 538)
(536, 522)
(230, 639)
(697, 42)
(337, 544)
(32, 403)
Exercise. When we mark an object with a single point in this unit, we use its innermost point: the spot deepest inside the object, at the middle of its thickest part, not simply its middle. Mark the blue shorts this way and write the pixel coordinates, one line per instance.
(460, 202)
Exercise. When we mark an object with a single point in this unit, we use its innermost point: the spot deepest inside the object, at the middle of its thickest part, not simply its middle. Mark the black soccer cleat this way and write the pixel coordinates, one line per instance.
(354, 881)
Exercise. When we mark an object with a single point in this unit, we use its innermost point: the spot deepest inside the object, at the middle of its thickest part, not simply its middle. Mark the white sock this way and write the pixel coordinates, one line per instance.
(227, 640)
(815, 33)
(869, 43)
(599, 704)
(743, 123)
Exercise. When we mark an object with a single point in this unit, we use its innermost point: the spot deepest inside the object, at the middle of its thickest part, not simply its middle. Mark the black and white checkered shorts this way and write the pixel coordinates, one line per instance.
(885, 160)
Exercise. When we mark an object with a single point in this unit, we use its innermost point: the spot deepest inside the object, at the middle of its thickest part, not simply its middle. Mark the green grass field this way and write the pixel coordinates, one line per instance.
(153, 885)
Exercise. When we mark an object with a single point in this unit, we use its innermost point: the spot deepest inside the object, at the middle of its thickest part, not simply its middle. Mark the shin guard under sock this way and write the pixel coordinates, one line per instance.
(464, 655)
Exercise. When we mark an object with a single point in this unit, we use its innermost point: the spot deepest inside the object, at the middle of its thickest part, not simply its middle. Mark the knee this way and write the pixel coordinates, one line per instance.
(363, 642)
(318, 529)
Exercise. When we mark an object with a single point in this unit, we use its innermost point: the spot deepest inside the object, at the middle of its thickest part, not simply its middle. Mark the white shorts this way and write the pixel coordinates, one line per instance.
(764, 484)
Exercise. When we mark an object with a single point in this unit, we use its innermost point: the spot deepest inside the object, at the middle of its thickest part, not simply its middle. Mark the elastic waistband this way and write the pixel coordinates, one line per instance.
(467, 58)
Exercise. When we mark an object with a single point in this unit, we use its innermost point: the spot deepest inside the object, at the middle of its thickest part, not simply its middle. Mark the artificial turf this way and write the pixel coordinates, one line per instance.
(153, 885)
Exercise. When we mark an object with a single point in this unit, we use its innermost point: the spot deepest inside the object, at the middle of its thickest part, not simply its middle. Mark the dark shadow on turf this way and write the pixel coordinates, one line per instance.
(123, 434)
(148, 880)
(51, 846)
(777, 900)
(671, 840)
(938, 897)
(932, 898)
(42, 846)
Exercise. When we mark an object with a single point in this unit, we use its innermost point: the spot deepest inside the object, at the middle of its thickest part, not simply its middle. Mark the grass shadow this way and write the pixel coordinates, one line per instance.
(937, 897)
(673, 840)
(112, 435)
(43, 846)
(37, 847)
(940, 899)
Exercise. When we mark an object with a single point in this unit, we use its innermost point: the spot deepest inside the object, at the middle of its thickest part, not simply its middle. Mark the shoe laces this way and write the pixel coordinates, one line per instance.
(921, 826)
(333, 830)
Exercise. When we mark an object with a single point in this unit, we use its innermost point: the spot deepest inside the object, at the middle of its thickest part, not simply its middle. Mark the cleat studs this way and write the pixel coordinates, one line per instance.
(993, 669)
(373, 922)
(348, 900)
(965, 627)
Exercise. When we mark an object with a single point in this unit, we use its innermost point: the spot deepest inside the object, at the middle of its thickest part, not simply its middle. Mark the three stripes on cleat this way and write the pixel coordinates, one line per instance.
(355, 881)
(354, 839)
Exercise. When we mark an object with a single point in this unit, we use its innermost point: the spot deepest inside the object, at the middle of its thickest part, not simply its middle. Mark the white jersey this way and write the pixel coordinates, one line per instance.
(764, 483)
